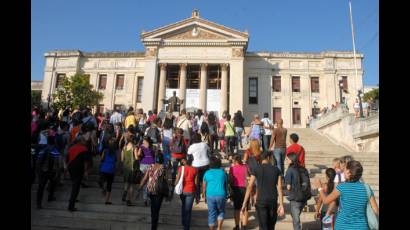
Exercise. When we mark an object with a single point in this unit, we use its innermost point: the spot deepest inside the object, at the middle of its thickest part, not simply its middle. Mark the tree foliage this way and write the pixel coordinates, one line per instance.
(374, 94)
(35, 98)
(76, 92)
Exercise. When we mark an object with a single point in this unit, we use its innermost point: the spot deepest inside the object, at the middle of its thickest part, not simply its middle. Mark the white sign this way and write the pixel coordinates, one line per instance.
(213, 100)
(192, 98)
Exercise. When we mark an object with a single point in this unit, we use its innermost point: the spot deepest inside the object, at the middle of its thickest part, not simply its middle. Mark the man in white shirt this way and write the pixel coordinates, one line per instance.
(185, 125)
(116, 117)
(267, 126)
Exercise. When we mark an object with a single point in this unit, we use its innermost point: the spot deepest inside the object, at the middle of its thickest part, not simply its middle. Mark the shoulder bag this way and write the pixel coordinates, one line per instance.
(179, 186)
(372, 219)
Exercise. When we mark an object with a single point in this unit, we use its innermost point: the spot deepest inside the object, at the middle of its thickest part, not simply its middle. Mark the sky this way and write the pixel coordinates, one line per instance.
(273, 25)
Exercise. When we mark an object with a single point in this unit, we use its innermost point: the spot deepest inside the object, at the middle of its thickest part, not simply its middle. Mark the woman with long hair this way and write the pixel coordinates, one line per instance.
(323, 210)
(146, 154)
(353, 197)
(252, 158)
(238, 173)
(213, 135)
(128, 156)
(107, 169)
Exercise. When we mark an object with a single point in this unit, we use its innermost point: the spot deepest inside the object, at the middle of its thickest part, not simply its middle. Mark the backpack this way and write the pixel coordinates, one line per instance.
(154, 134)
(256, 132)
(108, 162)
(162, 186)
(303, 191)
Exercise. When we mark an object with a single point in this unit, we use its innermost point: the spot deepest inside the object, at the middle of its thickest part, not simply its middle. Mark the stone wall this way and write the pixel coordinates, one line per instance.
(358, 135)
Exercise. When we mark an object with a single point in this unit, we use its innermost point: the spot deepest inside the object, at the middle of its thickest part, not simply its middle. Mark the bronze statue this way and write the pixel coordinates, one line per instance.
(174, 103)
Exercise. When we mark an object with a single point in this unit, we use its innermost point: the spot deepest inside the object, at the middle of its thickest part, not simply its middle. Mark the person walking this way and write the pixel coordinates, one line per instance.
(353, 196)
(189, 187)
(166, 137)
(214, 192)
(178, 150)
(239, 128)
(323, 210)
(128, 155)
(267, 134)
(279, 140)
(229, 133)
(213, 135)
(256, 132)
(184, 124)
(199, 151)
(269, 193)
(221, 133)
(107, 169)
(296, 148)
(154, 179)
(297, 182)
(238, 173)
(146, 153)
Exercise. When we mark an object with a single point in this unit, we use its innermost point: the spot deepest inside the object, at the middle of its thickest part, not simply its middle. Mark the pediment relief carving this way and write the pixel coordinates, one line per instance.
(193, 33)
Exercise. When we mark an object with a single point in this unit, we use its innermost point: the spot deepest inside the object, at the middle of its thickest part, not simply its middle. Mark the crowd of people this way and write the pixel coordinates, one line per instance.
(160, 156)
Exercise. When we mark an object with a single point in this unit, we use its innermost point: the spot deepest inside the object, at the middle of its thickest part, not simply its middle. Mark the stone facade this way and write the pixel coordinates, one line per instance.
(196, 46)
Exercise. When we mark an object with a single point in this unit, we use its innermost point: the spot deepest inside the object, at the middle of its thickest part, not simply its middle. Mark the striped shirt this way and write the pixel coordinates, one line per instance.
(353, 203)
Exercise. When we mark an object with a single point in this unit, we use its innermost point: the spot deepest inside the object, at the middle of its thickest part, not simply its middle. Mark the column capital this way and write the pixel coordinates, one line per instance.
(224, 66)
(203, 66)
(163, 66)
(183, 66)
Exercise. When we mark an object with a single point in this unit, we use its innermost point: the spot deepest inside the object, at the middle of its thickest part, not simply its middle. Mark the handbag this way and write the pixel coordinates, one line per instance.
(372, 219)
(179, 186)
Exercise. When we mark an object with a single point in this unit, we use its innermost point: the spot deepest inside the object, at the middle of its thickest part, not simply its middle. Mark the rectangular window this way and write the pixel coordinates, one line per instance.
(118, 107)
(193, 77)
(119, 85)
(102, 82)
(172, 77)
(277, 114)
(253, 90)
(276, 83)
(100, 108)
(60, 80)
(295, 84)
(314, 84)
(296, 116)
(345, 86)
(139, 89)
(214, 77)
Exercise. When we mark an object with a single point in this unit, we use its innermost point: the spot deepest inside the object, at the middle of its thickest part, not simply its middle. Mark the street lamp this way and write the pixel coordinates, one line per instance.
(314, 108)
(340, 78)
(360, 95)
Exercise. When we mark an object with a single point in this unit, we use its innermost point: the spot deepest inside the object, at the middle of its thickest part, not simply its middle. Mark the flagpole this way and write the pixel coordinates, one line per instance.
(354, 45)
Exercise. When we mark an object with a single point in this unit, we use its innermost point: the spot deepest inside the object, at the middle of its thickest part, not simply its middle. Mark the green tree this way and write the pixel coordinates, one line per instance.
(76, 92)
(35, 98)
(374, 93)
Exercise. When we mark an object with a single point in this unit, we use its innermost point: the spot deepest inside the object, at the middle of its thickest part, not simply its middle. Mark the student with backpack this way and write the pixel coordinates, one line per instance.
(154, 133)
(296, 148)
(178, 150)
(298, 184)
(49, 164)
(156, 181)
(146, 154)
(107, 169)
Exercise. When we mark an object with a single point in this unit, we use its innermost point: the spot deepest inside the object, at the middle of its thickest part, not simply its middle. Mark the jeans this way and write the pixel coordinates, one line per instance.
(267, 215)
(229, 145)
(156, 201)
(166, 151)
(295, 211)
(186, 210)
(239, 132)
(216, 209)
(43, 178)
(213, 142)
(201, 173)
(75, 190)
(175, 163)
(279, 154)
(266, 142)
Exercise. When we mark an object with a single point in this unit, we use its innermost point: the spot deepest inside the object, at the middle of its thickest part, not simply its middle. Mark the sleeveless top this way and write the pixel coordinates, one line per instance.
(255, 132)
(153, 176)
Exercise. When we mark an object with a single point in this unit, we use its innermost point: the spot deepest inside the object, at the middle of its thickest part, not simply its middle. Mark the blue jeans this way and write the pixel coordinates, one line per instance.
(239, 132)
(216, 209)
(279, 154)
(166, 151)
(266, 142)
(295, 211)
(186, 210)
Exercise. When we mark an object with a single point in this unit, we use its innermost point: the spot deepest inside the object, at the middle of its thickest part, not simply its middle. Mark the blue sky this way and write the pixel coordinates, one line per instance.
(273, 25)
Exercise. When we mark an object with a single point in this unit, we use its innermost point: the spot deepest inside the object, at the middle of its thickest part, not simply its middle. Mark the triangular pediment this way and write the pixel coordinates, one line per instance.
(194, 28)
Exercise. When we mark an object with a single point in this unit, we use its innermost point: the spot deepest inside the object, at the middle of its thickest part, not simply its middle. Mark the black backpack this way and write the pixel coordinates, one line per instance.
(303, 191)
(154, 134)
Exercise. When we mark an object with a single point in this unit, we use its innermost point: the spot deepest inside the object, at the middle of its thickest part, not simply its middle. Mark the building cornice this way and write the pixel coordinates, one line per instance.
(78, 53)
(327, 54)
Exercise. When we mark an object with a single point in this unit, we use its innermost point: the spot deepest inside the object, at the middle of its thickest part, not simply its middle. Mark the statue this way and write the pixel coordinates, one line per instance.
(174, 103)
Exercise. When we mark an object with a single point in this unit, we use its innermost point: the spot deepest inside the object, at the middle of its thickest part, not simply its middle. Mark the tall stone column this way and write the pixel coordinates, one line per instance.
(182, 83)
(224, 88)
(203, 88)
(162, 88)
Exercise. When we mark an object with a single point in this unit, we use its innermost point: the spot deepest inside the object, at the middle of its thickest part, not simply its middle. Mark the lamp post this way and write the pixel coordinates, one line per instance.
(314, 108)
(48, 101)
(340, 78)
(360, 95)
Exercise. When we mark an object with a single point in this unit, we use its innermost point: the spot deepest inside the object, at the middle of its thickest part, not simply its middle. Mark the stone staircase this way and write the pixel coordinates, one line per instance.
(94, 214)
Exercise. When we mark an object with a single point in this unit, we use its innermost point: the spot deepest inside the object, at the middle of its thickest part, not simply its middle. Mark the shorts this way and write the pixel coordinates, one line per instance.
(238, 197)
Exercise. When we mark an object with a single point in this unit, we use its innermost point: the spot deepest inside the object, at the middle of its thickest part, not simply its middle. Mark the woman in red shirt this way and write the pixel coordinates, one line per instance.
(189, 183)
(178, 150)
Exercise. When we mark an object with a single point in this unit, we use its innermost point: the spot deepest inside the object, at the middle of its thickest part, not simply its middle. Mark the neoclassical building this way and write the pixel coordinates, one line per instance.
(208, 65)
